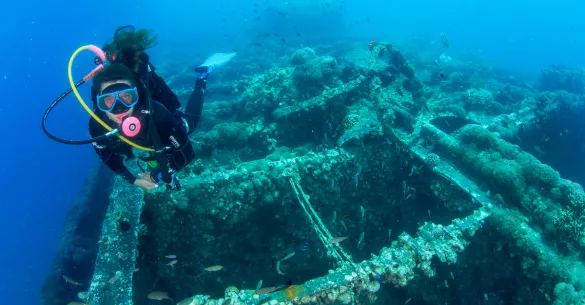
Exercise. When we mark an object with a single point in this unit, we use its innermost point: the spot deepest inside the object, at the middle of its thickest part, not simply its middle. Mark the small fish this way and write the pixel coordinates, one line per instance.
(282, 14)
(113, 279)
(278, 268)
(264, 290)
(361, 239)
(213, 268)
(337, 240)
(343, 225)
(158, 295)
(171, 256)
(257, 44)
(71, 281)
(267, 290)
(171, 263)
(257, 18)
(305, 246)
(259, 286)
(298, 34)
(235, 50)
(263, 35)
(288, 256)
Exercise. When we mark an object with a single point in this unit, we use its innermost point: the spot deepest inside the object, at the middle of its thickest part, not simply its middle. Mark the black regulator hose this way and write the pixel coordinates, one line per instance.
(64, 141)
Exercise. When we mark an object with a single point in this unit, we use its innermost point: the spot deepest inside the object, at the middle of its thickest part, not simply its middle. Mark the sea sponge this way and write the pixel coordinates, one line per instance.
(478, 99)
(301, 56)
(312, 74)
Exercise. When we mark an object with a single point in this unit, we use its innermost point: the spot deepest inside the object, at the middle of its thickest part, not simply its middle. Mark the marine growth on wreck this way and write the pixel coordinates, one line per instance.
(369, 177)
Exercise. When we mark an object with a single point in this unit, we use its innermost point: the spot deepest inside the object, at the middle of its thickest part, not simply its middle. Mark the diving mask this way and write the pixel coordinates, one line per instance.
(117, 98)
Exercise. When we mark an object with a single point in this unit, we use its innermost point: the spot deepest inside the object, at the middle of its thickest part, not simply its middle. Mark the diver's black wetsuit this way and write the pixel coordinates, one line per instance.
(171, 131)
(169, 124)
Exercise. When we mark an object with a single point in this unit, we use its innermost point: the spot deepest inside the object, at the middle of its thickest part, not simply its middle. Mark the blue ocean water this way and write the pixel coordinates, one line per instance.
(40, 178)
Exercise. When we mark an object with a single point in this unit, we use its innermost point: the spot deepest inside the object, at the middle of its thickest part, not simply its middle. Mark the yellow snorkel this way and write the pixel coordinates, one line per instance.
(99, 53)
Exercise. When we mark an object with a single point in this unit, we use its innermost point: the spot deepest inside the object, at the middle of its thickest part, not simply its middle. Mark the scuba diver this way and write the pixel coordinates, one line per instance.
(127, 48)
(121, 99)
(134, 108)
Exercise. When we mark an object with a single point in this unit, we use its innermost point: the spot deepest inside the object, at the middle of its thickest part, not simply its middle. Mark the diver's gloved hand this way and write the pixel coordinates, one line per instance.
(145, 182)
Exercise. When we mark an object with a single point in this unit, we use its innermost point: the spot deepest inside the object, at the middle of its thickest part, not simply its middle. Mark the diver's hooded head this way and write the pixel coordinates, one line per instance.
(129, 47)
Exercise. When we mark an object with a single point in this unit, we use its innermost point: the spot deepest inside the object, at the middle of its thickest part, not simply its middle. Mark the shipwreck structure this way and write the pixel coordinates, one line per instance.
(346, 182)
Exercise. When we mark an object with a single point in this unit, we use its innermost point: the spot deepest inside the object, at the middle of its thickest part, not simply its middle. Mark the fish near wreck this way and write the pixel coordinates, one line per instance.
(159, 295)
(213, 268)
(337, 240)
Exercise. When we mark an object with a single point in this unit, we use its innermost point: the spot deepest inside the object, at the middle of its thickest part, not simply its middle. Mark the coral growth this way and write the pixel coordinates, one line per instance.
(313, 73)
